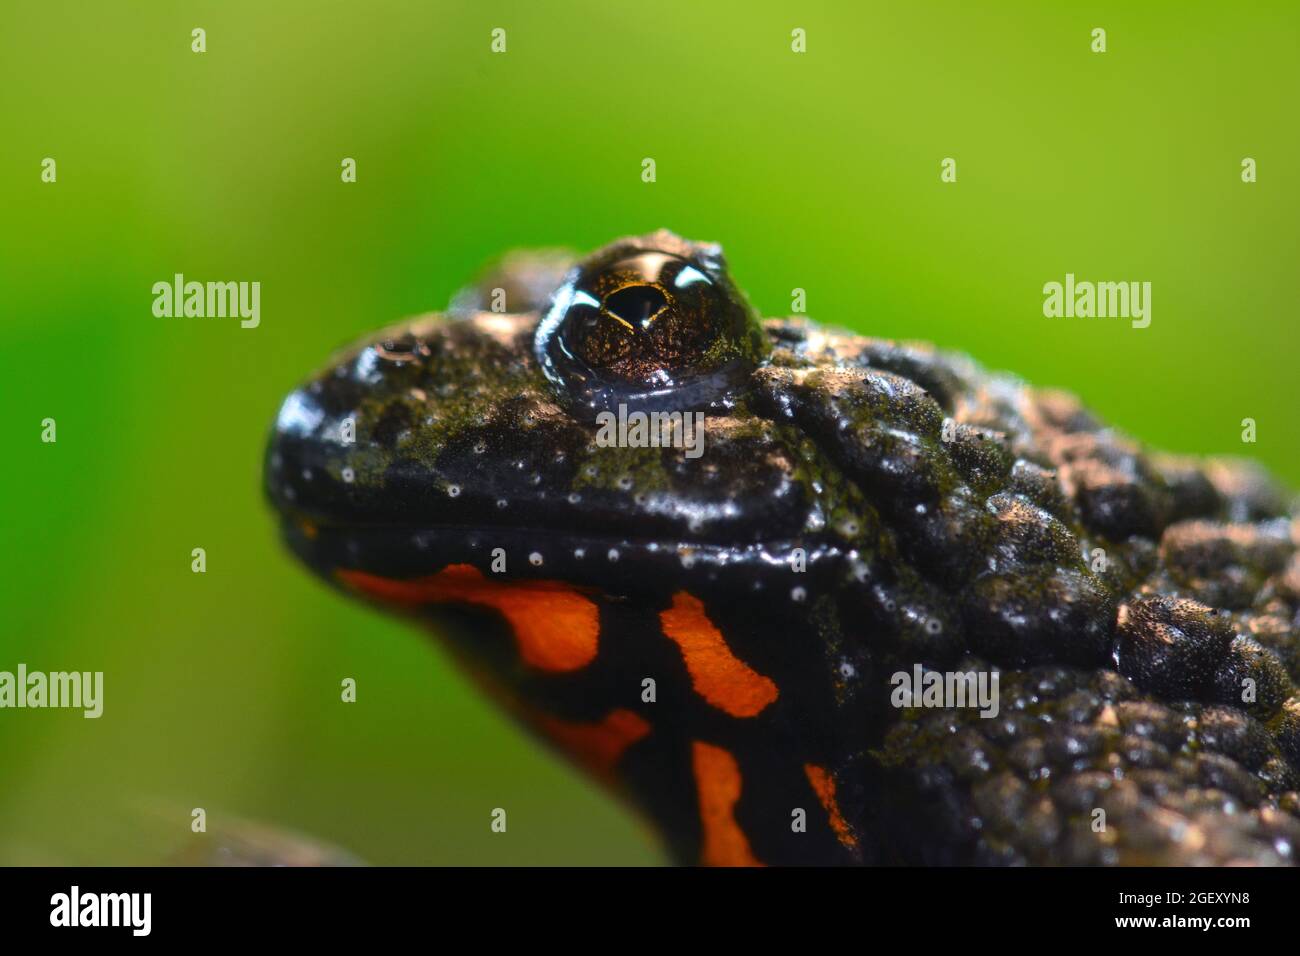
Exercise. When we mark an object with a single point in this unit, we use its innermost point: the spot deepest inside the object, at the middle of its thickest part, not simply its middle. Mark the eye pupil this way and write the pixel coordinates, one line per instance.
(636, 304)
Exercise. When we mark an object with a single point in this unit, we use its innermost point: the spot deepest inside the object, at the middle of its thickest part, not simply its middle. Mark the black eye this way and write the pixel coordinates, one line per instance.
(652, 323)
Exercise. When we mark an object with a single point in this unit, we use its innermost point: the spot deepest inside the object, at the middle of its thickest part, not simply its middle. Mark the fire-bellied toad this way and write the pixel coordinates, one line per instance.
(725, 617)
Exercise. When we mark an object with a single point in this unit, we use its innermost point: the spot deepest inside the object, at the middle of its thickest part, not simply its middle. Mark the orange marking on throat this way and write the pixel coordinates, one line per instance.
(717, 778)
(556, 628)
(823, 785)
(601, 745)
(718, 675)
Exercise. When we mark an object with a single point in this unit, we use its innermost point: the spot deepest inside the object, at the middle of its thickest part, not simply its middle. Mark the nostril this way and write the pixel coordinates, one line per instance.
(636, 305)
(402, 348)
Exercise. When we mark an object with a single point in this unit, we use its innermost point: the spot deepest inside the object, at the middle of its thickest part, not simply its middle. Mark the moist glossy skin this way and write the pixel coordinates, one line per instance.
(860, 507)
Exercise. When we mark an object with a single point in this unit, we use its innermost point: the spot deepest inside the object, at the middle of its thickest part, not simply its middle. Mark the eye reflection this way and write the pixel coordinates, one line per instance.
(689, 276)
(582, 298)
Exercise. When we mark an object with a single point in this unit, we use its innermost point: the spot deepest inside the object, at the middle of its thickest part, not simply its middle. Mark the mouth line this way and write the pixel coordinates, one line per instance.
(616, 565)
(419, 536)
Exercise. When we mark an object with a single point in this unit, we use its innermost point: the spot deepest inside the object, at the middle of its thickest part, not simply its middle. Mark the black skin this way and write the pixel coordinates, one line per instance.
(946, 516)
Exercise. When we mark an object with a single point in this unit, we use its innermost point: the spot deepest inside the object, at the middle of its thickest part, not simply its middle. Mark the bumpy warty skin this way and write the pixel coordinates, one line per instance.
(1128, 600)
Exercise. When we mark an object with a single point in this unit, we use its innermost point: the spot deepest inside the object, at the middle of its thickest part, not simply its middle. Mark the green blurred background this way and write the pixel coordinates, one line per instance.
(818, 171)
